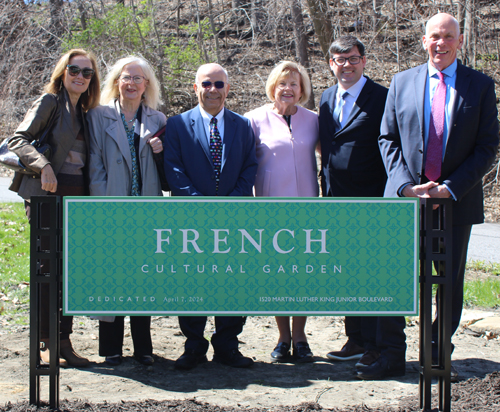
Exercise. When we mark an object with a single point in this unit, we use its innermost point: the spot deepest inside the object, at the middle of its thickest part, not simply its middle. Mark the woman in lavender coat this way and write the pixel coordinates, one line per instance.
(287, 137)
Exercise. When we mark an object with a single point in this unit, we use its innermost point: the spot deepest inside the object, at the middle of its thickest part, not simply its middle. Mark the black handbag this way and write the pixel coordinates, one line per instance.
(10, 160)
(158, 158)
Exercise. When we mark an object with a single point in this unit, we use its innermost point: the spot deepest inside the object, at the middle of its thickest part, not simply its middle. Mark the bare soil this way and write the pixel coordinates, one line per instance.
(321, 385)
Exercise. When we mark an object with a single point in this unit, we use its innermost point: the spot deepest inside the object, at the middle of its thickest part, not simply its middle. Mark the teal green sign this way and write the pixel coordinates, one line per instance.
(234, 256)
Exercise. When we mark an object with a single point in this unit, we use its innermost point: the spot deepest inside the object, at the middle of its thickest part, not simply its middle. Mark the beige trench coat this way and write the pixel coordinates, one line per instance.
(110, 159)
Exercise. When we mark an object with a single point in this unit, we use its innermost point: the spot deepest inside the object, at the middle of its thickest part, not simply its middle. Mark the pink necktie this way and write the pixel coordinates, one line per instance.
(436, 129)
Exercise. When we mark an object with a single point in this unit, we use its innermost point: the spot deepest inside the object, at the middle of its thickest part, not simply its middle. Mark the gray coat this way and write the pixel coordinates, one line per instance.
(110, 159)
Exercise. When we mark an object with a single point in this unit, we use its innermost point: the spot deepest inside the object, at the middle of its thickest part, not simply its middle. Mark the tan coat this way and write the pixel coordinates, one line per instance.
(110, 159)
(64, 133)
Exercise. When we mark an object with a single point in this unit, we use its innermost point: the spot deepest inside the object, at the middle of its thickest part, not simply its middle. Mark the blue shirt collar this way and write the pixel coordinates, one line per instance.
(449, 71)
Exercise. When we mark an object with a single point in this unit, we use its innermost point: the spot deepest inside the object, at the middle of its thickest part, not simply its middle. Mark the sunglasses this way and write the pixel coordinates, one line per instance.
(73, 71)
(207, 85)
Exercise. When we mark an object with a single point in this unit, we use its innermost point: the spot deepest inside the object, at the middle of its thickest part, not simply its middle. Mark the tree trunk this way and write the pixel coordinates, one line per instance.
(56, 16)
(376, 5)
(301, 42)
(318, 10)
(83, 14)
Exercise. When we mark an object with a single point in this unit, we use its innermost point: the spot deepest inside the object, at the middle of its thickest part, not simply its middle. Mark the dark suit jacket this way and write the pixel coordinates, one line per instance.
(471, 145)
(351, 162)
(188, 162)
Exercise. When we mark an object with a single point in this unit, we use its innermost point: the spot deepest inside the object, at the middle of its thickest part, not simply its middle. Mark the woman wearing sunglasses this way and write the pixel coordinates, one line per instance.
(73, 89)
(122, 164)
(286, 138)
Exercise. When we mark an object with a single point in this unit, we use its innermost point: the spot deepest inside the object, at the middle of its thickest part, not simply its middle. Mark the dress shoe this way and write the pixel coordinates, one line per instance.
(45, 355)
(146, 360)
(349, 351)
(189, 359)
(233, 358)
(281, 353)
(114, 360)
(368, 358)
(381, 369)
(302, 353)
(73, 358)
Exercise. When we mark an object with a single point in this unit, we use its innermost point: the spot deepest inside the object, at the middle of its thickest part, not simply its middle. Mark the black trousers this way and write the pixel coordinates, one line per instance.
(362, 330)
(111, 336)
(224, 339)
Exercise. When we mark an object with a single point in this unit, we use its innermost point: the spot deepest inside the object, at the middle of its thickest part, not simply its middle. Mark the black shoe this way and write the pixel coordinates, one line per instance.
(189, 359)
(381, 369)
(114, 360)
(233, 358)
(302, 353)
(281, 353)
(146, 360)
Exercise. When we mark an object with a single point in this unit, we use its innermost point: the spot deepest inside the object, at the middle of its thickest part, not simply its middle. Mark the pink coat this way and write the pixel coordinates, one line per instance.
(287, 161)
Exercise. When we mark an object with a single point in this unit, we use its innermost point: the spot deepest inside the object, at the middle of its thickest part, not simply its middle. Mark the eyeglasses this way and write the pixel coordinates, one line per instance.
(87, 72)
(135, 79)
(340, 61)
(207, 85)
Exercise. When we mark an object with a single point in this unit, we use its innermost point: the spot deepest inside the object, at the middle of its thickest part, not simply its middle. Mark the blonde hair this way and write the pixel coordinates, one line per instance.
(283, 70)
(90, 98)
(110, 91)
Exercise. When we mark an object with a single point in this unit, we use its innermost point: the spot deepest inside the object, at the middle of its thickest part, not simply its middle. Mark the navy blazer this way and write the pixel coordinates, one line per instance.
(351, 161)
(188, 162)
(472, 139)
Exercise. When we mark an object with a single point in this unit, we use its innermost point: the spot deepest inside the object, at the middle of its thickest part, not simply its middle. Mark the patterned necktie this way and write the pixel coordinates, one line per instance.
(215, 150)
(337, 114)
(436, 129)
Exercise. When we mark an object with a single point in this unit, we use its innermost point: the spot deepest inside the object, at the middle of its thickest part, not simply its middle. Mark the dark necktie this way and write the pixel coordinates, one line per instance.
(215, 150)
(434, 155)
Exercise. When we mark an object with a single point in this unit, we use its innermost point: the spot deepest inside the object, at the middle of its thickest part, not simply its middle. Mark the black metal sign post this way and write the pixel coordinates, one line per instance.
(435, 251)
(45, 268)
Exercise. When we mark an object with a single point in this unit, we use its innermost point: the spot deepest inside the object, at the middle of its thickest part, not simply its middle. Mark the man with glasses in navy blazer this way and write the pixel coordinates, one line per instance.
(210, 151)
(439, 137)
(349, 127)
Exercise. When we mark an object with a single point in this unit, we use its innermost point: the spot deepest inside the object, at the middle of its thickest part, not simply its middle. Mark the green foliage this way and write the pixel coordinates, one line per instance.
(14, 258)
(117, 30)
(184, 54)
(483, 293)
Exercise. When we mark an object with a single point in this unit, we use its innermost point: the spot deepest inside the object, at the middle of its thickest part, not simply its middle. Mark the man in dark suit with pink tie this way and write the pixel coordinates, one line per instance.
(439, 136)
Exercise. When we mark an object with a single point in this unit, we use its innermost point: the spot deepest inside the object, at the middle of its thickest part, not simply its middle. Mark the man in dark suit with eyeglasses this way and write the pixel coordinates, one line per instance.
(210, 151)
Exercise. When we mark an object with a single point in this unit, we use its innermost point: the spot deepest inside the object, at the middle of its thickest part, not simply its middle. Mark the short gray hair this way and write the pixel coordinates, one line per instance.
(203, 66)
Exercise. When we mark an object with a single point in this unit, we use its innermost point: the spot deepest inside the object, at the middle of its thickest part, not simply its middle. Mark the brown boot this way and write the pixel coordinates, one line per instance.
(45, 355)
(73, 358)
